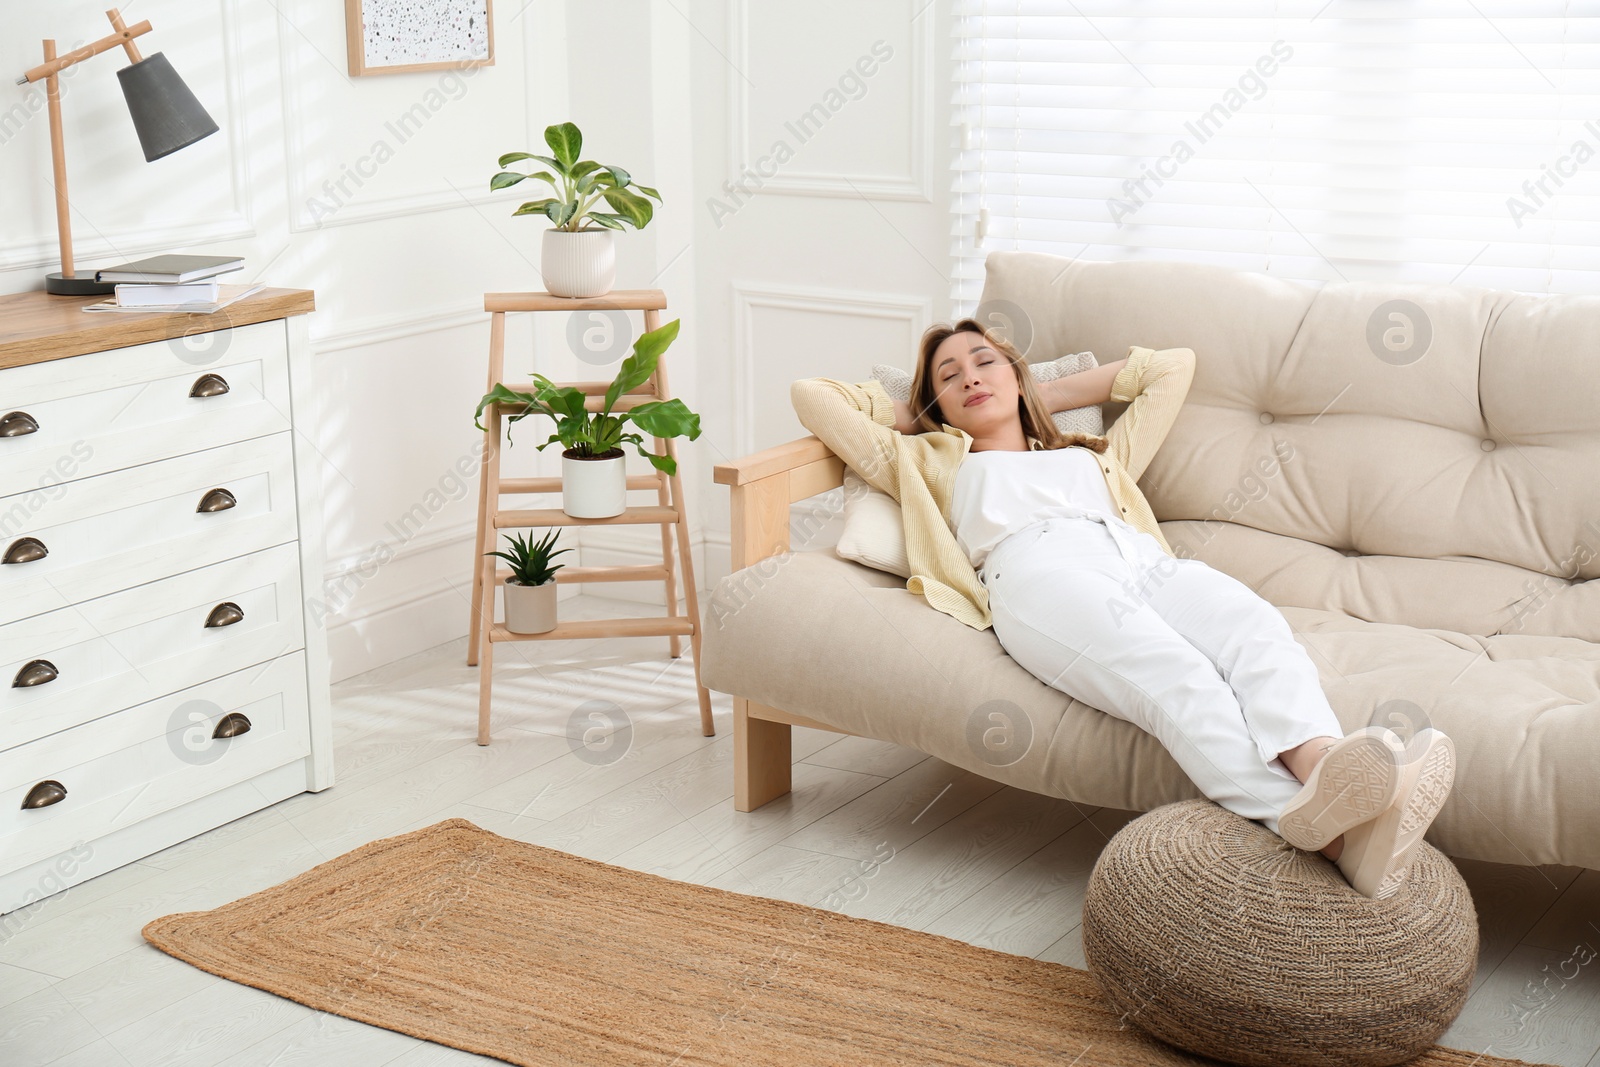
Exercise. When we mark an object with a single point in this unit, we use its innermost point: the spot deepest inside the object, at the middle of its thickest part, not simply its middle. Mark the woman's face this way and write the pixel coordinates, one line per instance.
(965, 367)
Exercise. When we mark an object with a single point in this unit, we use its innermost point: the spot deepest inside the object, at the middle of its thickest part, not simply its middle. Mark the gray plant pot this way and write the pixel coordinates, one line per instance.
(530, 609)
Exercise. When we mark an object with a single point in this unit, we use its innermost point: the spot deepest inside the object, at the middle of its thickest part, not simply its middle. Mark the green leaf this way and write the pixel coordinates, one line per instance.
(606, 219)
(507, 178)
(566, 142)
(649, 346)
(560, 211)
(606, 431)
(622, 176)
(501, 394)
(567, 400)
(535, 207)
(660, 463)
(553, 163)
(637, 208)
(588, 166)
(666, 418)
(549, 161)
(647, 191)
(641, 362)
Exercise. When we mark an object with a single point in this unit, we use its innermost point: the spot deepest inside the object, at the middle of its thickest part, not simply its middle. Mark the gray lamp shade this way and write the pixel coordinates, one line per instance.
(165, 113)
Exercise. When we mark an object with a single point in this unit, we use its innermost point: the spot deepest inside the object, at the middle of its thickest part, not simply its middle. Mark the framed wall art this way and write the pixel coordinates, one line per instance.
(397, 36)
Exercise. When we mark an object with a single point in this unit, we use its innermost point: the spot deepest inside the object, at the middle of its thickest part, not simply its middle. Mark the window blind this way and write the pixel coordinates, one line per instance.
(1451, 141)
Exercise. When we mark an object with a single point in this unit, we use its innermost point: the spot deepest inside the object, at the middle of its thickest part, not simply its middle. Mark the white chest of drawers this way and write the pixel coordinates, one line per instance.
(161, 529)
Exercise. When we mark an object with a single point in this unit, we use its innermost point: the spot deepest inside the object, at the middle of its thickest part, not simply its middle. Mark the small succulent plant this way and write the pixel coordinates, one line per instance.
(530, 563)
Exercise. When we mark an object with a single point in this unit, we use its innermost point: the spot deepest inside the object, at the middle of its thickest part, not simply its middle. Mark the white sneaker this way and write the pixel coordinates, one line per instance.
(1357, 779)
(1377, 855)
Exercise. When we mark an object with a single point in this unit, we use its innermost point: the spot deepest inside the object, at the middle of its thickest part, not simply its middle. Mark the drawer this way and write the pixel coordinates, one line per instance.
(119, 530)
(107, 410)
(151, 758)
(118, 650)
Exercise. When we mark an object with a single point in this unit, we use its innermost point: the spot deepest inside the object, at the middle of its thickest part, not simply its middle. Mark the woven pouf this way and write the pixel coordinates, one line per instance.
(1214, 934)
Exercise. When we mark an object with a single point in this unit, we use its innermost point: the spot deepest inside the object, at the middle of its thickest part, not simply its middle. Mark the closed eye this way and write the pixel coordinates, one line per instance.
(985, 363)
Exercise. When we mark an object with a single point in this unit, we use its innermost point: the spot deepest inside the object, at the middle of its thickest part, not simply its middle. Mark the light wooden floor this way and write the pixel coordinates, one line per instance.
(972, 860)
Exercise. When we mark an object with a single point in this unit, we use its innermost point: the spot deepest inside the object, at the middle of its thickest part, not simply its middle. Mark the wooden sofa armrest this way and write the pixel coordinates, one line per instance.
(763, 484)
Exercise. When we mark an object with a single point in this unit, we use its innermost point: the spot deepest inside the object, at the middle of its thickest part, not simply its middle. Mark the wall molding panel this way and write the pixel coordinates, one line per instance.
(747, 297)
(914, 185)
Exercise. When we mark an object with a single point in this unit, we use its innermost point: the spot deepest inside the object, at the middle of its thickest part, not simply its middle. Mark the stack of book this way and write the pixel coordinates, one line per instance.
(172, 283)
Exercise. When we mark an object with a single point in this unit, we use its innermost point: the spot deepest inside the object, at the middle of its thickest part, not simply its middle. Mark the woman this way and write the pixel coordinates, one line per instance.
(1083, 591)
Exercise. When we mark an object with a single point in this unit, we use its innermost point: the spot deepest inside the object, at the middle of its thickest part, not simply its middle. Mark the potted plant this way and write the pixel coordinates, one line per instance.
(578, 260)
(531, 587)
(594, 484)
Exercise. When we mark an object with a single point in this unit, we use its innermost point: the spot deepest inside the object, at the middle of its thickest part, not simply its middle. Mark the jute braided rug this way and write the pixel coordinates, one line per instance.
(540, 957)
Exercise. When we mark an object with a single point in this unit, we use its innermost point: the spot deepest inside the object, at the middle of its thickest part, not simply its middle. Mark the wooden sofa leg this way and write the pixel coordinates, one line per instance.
(762, 758)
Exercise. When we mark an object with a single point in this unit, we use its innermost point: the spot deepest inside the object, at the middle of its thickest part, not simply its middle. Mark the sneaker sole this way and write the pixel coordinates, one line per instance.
(1387, 845)
(1352, 784)
(1424, 804)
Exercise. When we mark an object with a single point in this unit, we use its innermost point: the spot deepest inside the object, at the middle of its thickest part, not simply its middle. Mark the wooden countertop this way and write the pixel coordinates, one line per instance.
(37, 327)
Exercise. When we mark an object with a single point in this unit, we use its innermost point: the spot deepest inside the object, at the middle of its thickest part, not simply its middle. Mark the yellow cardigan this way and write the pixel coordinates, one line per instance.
(856, 421)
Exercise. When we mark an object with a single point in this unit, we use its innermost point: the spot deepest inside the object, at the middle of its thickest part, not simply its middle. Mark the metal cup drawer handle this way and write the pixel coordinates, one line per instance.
(231, 725)
(35, 672)
(209, 385)
(44, 794)
(225, 614)
(25, 550)
(17, 423)
(217, 500)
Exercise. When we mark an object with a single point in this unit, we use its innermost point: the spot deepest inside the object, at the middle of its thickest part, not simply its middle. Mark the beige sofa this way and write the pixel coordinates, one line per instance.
(1408, 471)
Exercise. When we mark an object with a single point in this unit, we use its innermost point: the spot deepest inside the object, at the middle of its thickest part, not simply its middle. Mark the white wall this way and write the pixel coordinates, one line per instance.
(835, 262)
(836, 252)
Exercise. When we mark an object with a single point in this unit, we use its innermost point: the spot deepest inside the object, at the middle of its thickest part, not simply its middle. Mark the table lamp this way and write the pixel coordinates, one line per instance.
(165, 113)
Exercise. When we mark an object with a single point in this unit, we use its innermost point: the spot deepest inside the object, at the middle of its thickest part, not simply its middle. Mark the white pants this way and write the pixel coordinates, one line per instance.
(1095, 607)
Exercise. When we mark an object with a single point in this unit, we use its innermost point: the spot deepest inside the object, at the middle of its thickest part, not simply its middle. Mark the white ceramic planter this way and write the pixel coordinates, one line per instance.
(578, 264)
(530, 609)
(593, 488)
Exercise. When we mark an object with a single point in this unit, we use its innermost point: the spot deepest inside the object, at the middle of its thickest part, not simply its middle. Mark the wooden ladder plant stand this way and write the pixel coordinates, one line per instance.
(668, 512)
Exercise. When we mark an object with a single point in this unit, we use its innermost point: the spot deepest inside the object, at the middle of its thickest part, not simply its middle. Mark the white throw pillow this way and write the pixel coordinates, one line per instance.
(874, 528)
(874, 531)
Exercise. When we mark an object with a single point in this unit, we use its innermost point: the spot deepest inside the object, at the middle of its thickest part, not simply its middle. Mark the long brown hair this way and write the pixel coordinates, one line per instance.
(1031, 408)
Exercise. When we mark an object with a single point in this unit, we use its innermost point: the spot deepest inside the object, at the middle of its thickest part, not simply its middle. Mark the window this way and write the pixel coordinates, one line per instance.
(1363, 140)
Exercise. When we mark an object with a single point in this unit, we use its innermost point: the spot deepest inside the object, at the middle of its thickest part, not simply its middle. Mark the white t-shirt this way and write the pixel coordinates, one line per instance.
(999, 492)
